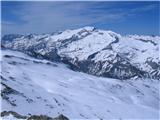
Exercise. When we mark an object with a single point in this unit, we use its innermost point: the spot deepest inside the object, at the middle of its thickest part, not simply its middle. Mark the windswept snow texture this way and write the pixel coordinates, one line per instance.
(33, 86)
(97, 52)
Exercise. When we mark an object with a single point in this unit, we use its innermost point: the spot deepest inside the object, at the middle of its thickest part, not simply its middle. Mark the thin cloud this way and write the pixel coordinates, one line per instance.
(144, 8)
(42, 17)
(51, 16)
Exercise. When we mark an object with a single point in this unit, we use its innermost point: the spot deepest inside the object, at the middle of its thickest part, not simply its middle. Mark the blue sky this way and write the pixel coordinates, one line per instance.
(47, 17)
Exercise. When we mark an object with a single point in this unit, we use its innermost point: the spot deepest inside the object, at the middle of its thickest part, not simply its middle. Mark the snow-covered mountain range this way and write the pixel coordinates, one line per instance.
(94, 51)
(33, 87)
(84, 73)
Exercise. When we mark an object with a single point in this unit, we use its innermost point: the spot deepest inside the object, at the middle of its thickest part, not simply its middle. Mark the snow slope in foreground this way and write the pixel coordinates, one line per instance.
(32, 86)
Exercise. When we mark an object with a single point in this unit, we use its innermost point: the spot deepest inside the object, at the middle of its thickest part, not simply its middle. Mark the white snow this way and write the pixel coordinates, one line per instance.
(54, 89)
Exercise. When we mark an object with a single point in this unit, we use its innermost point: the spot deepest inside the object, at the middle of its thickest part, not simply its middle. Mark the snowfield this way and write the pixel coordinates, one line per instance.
(32, 86)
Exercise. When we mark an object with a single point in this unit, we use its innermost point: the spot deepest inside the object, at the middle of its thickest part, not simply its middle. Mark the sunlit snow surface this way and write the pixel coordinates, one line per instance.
(49, 88)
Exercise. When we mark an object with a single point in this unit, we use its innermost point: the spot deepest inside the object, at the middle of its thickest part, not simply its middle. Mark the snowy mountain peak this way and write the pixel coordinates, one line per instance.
(94, 51)
(89, 28)
(37, 81)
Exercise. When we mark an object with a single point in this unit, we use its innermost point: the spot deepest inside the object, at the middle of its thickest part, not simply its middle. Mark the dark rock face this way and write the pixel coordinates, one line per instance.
(16, 115)
(39, 117)
(61, 117)
(32, 117)
(155, 74)
(52, 55)
(8, 91)
(121, 69)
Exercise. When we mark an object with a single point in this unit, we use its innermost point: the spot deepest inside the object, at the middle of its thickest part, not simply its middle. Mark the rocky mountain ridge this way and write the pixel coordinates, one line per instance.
(97, 52)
